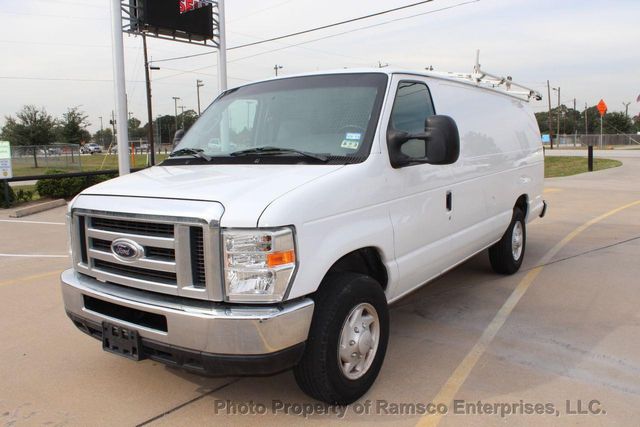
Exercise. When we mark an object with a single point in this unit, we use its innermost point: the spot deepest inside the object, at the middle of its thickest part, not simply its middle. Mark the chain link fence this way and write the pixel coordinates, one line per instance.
(608, 140)
(55, 156)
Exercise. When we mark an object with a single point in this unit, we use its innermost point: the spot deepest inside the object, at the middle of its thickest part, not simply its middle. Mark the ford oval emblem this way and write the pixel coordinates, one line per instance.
(126, 250)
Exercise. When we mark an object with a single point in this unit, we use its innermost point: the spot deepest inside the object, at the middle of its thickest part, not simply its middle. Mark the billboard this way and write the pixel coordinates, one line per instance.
(190, 20)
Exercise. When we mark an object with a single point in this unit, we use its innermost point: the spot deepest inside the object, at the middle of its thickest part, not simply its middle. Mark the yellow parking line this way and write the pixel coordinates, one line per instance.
(461, 373)
(551, 190)
(29, 278)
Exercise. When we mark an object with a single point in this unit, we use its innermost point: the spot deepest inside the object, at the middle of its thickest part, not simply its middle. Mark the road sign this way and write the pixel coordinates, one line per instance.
(602, 107)
(6, 171)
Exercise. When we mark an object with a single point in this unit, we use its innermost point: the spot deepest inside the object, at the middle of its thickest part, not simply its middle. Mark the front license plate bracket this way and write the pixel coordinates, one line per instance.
(122, 341)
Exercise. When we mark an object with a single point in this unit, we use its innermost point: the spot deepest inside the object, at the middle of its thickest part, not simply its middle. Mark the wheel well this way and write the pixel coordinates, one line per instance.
(522, 204)
(364, 261)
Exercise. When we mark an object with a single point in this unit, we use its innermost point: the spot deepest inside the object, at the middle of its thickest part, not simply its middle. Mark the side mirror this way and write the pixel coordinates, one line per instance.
(441, 143)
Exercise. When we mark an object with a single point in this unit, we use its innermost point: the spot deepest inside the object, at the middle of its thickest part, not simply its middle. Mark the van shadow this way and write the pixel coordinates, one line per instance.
(434, 328)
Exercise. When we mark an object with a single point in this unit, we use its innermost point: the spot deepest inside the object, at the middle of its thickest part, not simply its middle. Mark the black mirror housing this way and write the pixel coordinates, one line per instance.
(442, 143)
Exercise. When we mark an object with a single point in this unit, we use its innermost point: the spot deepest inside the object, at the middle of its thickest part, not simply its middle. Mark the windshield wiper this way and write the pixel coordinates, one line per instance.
(274, 151)
(195, 152)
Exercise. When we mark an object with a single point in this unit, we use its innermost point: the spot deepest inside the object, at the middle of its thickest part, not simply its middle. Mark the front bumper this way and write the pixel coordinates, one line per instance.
(202, 336)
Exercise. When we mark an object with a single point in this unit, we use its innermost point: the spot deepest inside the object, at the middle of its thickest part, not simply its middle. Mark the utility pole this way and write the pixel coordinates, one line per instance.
(575, 123)
(152, 157)
(558, 112)
(175, 105)
(199, 84)
(276, 68)
(626, 108)
(549, 116)
(101, 132)
(586, 120)
(113, 125)
(181, 107)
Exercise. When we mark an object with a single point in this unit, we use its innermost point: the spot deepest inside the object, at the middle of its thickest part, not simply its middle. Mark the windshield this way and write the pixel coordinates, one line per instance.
(329, 118)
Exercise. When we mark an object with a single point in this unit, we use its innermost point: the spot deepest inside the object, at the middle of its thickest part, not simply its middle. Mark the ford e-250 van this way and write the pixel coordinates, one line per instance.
(292, 213)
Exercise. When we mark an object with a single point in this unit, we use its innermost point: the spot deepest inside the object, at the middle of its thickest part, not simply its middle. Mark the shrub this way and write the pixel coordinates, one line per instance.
(12, 196)
(66, 188)
(24, 195)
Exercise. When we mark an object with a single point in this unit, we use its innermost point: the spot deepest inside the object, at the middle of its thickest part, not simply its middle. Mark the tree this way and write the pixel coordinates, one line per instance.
(32, 126)
(187, 119)
(103, 137)
(616, 122)
(73, 127)
(165, 128)
(135, 131)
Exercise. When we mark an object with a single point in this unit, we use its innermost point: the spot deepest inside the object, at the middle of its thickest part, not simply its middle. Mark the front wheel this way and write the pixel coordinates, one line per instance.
(347, 340)
(507, 254)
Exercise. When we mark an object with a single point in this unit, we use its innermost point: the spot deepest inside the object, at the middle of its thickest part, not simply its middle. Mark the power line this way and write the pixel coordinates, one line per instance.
(359, 29)
(332, 35)
(322, 27)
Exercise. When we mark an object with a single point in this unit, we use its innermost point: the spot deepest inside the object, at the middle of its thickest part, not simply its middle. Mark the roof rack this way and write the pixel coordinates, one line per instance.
(480, 77)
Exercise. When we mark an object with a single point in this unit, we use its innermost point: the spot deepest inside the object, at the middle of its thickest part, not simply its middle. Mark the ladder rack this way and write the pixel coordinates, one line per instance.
(480, 77)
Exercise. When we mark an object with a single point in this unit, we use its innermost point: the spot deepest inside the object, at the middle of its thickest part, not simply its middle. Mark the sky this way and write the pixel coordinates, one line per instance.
(57, 54)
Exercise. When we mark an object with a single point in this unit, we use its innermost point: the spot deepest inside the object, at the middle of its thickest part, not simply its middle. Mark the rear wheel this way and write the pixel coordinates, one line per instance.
(506, 255)
(347, 340)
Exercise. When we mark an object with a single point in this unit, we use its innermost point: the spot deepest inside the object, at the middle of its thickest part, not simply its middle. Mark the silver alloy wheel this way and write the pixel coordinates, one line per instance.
(517, 241)
(359, 341)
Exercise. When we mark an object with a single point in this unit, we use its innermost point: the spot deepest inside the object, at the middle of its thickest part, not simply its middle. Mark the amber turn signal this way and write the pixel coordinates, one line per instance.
(280, 258)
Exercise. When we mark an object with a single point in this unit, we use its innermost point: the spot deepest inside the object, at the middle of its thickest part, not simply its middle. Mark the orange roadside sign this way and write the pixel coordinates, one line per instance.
(602, 107)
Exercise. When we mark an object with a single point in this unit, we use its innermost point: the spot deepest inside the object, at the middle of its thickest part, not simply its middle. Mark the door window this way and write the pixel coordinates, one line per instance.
(410, 109)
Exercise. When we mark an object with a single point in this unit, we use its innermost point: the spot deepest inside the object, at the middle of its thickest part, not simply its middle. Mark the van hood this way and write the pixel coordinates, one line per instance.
(244, 190)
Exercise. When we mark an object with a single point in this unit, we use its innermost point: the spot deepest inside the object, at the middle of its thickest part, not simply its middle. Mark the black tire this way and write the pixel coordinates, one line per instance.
(319, 373)
(501, 254)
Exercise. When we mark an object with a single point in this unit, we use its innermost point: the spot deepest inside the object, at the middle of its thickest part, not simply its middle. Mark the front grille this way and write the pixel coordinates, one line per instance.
(133, 227)
(163, 277)
(197, 256)
(165, 258)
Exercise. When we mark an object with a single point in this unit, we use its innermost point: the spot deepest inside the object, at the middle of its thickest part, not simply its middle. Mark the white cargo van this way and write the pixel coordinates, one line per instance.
(293, 213)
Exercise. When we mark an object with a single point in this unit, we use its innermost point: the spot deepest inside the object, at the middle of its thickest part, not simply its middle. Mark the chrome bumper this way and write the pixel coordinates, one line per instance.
(195, 325)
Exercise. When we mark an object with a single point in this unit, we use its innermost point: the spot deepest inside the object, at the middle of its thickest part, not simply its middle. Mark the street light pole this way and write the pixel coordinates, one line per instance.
(120, 87)
(558, 112)
(549, 115)
(199, 84)
(181, 107)
(175, 105)
(276, 68)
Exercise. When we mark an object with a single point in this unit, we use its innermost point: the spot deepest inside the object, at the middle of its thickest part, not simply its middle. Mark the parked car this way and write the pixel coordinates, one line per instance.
(90, 148)
(325, 198)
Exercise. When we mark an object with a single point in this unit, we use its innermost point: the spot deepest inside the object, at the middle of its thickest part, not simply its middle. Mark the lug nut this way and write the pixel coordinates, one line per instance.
(356, 330)
(352, 342)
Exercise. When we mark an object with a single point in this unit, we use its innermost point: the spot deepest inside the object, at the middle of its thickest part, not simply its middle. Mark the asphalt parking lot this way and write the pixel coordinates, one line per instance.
(564, 333)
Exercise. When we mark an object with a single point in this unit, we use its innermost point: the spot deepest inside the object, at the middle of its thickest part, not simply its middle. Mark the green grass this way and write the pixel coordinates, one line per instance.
(25, 167)
(567, 166)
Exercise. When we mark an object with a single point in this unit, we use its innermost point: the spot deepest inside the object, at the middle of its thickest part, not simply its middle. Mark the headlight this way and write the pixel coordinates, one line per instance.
(258, 264)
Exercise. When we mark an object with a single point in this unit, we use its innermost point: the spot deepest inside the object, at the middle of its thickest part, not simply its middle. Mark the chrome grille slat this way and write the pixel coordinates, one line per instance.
(156, 242)
(147, 263)
(133, 227)
(166, 278)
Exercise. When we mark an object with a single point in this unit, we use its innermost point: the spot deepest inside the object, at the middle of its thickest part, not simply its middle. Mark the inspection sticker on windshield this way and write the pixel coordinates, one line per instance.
(351, 140)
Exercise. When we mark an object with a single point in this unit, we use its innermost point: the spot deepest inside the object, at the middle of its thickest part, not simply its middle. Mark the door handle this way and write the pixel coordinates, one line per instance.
(449, 201)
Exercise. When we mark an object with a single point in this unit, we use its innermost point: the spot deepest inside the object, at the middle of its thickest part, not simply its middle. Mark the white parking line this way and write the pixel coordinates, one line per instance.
(33, 256)
(31, 222)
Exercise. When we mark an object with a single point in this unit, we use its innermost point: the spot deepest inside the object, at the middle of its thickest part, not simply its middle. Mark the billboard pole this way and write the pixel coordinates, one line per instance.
(120, 87)
(222, 48)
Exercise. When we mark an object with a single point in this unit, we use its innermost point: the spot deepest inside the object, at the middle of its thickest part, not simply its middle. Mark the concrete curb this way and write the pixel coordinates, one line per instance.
(41, 207)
